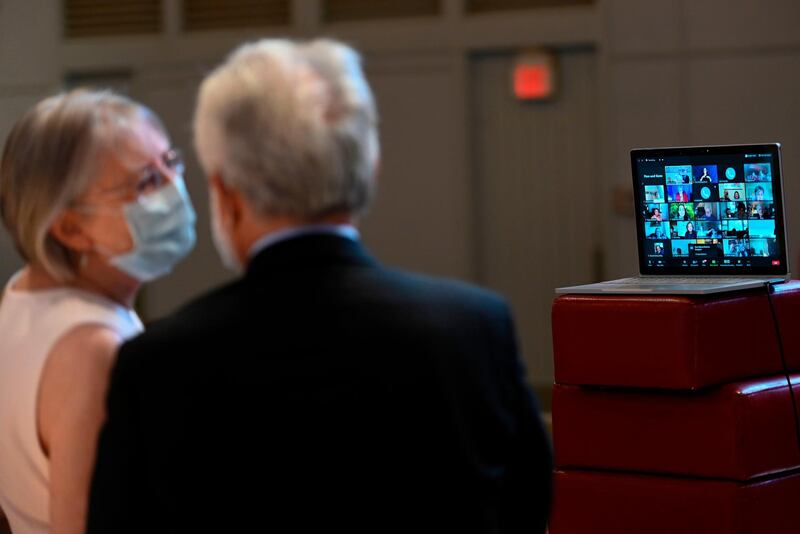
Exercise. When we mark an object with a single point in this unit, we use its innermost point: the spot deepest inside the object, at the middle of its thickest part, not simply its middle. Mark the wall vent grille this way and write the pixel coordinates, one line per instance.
(108, 18)
(356, 10)
(489, 6)
(202, 15)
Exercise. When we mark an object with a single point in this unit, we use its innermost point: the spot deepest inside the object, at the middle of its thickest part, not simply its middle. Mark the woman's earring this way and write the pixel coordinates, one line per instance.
(83, 261)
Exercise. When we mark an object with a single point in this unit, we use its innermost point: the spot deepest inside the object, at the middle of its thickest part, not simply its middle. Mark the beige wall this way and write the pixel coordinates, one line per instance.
(535, 175)
(28, 71)
(668, 72)
(700, 72)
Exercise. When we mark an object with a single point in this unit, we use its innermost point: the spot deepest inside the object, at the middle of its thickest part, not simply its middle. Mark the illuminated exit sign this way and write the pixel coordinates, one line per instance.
(535, 76)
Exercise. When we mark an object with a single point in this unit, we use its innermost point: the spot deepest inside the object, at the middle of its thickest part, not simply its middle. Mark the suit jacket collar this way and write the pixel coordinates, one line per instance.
(309, 251)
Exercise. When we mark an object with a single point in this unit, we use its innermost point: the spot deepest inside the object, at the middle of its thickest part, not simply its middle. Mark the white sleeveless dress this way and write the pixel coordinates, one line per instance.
(31, 322)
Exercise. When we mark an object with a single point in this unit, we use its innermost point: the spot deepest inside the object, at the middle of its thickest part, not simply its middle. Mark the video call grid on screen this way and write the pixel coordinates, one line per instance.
(705, 210)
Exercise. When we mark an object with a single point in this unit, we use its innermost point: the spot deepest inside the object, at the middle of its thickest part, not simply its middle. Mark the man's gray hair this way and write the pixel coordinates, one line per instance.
(292, 126)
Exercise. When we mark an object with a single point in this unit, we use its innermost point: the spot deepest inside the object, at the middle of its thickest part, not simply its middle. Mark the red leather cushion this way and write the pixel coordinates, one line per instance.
(598, 502)
(736, 431)
(786, 300)
(673, 342)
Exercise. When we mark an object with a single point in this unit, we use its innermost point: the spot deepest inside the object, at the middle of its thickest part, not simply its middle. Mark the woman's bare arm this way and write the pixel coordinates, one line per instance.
(70, 412)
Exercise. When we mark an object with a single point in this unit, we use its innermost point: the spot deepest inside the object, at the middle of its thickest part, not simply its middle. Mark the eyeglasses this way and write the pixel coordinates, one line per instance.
(152, 176)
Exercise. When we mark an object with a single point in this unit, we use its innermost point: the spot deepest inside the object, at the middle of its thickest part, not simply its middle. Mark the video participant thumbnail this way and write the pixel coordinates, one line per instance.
(705, 192)
(681, 212)
(764, 248)
(736, 247)
(733, 210)
(706, 211)
(656, 212)
(758, 172)
(759, 192)
(680, 247)
(761, 210)
(682, 229)
(731, 174)
(761, 228)
(656, 230)
(679, 193)
(734, 228)
(678, 174)
(655, 249)
(731, 192)
(705, 174)
(708, 230)
(654, 193)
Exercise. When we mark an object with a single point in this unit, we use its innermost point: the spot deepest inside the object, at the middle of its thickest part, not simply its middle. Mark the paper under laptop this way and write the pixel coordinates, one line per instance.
(708, 219)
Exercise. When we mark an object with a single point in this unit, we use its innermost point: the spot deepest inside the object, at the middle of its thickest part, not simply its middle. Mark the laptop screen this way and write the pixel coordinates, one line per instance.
(710, 210)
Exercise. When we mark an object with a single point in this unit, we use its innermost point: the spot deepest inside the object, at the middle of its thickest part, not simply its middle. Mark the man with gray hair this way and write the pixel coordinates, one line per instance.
(320, 391)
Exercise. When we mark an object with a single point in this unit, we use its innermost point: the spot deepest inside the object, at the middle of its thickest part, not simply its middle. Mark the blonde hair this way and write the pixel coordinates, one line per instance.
(49, 161)
(292, 125)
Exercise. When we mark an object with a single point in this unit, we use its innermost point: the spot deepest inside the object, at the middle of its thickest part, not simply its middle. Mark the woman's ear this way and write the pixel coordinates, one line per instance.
(67, 229)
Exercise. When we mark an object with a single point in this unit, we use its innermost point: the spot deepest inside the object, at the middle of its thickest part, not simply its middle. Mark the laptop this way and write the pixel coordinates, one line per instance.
(708, 219)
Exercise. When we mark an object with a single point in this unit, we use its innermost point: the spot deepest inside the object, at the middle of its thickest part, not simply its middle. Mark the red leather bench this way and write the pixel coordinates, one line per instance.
(737, 431)
(613, 503)
(673, 342)
(673, 415)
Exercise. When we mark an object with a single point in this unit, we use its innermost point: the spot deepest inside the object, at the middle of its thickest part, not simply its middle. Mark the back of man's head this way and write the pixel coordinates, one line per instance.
(292, 126)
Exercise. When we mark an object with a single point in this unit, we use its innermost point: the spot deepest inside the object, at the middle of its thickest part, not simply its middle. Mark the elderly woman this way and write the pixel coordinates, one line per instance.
(92, 195)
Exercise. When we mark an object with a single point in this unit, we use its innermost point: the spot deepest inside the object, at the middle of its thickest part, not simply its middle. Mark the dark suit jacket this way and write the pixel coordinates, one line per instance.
(322, 392)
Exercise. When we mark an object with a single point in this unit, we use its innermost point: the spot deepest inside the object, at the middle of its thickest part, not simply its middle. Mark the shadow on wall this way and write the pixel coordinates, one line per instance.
(10, 262)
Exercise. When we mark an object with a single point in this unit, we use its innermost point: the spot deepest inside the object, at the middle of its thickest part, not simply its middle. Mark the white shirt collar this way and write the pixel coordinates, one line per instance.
(272, 238)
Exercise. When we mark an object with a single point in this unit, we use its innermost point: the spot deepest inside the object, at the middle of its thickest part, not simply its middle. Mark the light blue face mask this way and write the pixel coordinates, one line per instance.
(162, 226)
